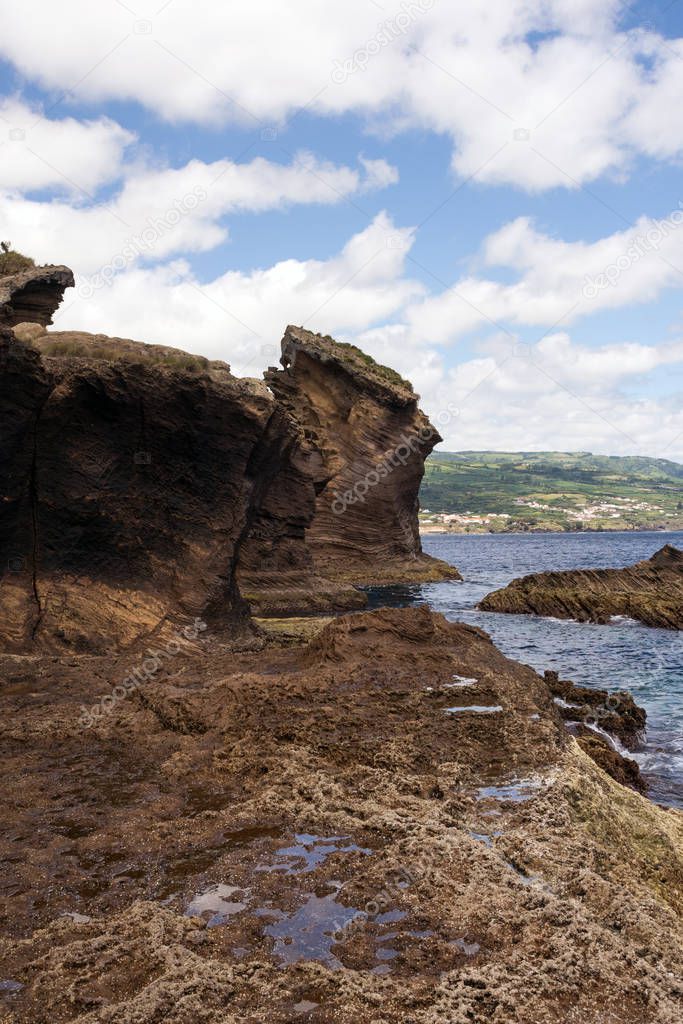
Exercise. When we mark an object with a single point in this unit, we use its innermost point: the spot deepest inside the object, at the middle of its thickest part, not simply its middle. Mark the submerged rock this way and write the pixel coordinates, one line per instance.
(650, 591)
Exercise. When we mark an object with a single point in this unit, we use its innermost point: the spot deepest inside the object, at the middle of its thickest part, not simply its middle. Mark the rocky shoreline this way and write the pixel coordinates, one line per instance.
(650, 592)
(246, 833)
(214, 817)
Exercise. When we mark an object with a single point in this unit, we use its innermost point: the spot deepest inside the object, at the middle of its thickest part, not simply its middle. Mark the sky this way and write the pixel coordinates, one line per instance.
(487, 197)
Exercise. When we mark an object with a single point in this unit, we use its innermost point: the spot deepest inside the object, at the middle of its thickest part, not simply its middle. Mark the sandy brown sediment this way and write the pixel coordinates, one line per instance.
(326, 787)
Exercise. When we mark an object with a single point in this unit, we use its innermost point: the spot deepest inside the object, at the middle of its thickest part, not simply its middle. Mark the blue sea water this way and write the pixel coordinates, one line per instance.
(621, 656)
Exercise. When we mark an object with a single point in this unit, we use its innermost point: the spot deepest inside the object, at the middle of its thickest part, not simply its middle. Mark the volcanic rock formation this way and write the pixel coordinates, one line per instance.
(650, 591)
(324, 834)
(140, 483)
(365, 421)
(33, 295)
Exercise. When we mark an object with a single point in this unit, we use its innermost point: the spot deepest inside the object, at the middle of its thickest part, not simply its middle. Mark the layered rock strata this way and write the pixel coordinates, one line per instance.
(33, 295)
(650, 591)
(373, 439)
(141, 483)
(130, 487)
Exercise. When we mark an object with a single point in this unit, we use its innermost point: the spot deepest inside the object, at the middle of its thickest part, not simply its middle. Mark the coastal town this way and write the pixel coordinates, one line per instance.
(615, 514)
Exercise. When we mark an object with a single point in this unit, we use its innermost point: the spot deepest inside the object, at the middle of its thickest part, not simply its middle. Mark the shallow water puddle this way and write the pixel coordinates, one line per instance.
(76, 917)
(483, 837)
(305, 1006)
(513, 792)
(216, 901)
(460, 681)
(309, 932)
(10, 986)
(391, 917)
(477, 709)
(309, 852)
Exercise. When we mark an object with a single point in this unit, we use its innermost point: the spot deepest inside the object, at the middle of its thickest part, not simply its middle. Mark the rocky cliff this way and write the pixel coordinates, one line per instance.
(650, 591)
(373, 439)
(140, 483)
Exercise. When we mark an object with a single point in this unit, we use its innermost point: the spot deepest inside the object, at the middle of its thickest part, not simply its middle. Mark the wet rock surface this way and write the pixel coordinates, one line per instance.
(306, 832)
(606, 724)
(650, 592)
(615, 711)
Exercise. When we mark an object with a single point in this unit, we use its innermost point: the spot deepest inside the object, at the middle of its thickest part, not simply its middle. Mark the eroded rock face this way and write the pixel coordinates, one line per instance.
(141, 483)
(373, 439)
(33, 295)
(131, 488)
(650, 591)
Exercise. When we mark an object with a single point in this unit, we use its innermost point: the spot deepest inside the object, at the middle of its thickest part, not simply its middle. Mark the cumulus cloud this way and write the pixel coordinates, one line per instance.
(556, 395)
(537, 93)
(41, 152)
(240, 317)
(161, 212)
(556, 280)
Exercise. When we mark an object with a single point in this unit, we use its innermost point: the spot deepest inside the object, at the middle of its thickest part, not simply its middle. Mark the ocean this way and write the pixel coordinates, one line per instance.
(621, 656)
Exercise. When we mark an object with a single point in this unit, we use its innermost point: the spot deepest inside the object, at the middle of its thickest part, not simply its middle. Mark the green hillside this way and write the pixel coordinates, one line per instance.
(510, 491)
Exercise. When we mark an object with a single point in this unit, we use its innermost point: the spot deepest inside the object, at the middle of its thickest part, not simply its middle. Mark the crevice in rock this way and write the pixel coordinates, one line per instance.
(33, 500)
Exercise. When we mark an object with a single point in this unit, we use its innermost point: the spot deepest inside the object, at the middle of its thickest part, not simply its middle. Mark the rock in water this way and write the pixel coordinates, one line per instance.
(650, 591)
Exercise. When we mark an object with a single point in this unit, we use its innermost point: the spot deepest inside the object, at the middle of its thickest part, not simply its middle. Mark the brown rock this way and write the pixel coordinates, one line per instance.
(33, 295)
(142, 484)
(614, 711)
(364, 420)
(130, 487)
(650, 591)
(195, 855)
(622, 769)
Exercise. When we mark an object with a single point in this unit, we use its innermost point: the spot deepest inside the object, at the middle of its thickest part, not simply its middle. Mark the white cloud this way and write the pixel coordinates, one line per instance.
(557, 395)
(554, 394)
(240, 317)
(161, 212)
(591, 95)
(557, 280)
(39, 152)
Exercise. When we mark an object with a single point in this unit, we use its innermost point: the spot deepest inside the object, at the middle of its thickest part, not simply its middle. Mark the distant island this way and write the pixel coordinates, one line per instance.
(512, 492)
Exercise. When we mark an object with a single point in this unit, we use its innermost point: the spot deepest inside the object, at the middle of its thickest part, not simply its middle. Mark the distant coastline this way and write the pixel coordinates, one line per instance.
(444, 530)
(549, 492)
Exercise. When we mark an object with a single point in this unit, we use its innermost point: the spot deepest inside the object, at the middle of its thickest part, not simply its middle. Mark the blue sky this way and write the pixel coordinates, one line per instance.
(443, 206)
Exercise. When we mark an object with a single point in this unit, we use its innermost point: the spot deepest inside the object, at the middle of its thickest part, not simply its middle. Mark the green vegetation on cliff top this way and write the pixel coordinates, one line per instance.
(512, 491)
